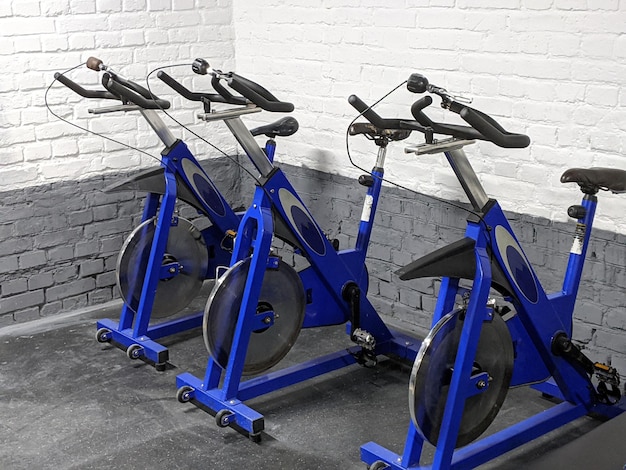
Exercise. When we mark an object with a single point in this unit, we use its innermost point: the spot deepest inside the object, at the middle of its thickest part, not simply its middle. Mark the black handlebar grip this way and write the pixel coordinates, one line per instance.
(419, 105)
(493, 131)
(75, 87)
(224, 93)
(178, 87)
(417, 83)
(372, 116)
(135, 87)
(454, 130)
(227, 95)
(131, 95)
(261, 91)
(258, 95)
(194, 96)
(94, 63)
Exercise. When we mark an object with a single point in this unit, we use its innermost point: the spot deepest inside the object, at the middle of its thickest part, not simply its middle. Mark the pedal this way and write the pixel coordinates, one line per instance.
(607, 374)
(364, 339)
(365, 357)
(228, 242)
(608, 383)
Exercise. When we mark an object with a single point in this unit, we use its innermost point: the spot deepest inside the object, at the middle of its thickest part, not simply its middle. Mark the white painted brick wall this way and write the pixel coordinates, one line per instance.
(553, 69)
(40, 37)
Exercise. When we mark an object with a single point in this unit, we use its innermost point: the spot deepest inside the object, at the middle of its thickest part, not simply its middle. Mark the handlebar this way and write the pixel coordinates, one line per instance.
(118, 88)
(76, 88)
(250, 91)
(193, 96)
(385, 126)
(132, 92)
(481, 126)
(372, 116)
(258, 95)
(491, 130)
(454, 130)
(217, 85)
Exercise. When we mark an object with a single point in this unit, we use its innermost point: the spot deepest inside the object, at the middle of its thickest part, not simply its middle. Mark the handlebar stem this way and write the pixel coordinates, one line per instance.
(468, 178)
(250, 146)
(159, 127)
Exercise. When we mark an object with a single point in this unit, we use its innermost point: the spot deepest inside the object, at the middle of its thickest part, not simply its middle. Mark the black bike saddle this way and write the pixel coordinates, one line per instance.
(610, 179)
(282, 128)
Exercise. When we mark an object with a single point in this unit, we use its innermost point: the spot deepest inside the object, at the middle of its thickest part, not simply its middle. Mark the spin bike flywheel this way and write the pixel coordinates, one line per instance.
(185, 249)
(281, 293)
(432, 373)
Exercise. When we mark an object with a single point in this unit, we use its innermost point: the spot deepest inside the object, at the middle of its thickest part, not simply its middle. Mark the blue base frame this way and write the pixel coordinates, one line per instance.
(488, 448)
(252, 422)
(151, 351)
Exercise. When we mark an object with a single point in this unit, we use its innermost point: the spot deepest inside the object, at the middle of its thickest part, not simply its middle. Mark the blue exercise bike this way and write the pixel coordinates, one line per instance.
(259, 305)
(478, 347)
(164, 262)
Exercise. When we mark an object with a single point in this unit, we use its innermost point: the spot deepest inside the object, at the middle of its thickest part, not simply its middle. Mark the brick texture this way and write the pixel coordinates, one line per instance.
(74, 262)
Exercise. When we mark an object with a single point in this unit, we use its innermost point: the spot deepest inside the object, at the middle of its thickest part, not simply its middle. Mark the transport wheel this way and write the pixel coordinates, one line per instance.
(103, 335)
(183, 394)
(222, 418)
(281, 293)
(432, 373)
(378, 465)
(186, 251)
(134, 351)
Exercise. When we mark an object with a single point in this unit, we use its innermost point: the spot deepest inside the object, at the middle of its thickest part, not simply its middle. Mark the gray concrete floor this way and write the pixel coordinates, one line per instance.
(67, 401)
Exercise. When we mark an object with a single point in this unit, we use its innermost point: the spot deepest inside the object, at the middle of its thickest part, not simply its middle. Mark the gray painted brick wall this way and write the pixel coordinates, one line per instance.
(59, 242)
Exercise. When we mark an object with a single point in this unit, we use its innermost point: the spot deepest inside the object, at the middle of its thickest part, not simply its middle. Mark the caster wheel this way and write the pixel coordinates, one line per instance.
(256, 438)
(160, 367)
(378, 465)
(222, 418)
(134, 351)
(184, 393)
(103, 335)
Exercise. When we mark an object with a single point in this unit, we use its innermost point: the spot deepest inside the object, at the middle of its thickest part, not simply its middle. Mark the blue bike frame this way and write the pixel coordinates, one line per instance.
(329, 272)
(497, 257)
(180, 176)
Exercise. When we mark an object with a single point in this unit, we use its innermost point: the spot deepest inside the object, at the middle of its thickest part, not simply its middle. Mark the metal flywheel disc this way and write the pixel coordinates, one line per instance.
(432, 372)
(185, 249)
(281, 293)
